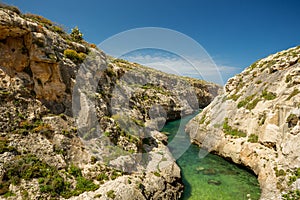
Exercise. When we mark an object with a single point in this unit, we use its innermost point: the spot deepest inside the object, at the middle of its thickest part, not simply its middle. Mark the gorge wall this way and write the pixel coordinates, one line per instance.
(256, 123)
(45, 154)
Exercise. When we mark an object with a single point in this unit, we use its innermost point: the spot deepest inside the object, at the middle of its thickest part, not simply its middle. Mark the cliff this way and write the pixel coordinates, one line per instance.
(255, 123)
(76, 123)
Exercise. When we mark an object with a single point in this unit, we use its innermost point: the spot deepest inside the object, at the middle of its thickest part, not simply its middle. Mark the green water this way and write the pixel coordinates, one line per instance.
(210, 177)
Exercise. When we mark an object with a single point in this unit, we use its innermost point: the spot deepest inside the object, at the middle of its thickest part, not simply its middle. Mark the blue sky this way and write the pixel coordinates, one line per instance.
(235, 33)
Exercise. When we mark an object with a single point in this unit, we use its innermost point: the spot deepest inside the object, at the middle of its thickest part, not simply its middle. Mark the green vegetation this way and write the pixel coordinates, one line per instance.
(102, 177)
(45, 22)
(37, 126)
(292, 120)
(248, 102)
(291, 195)
(244, 102)
(262, 118)
(268, 95)
(288, 78)
(98, 196)
(119, 60)
(156, 87)
(228, 130)
(49, 178)
(138, 122)
(74, 56)
(280, 172)
(253, 104)
(254, 65)
(76, 35)
(294, 93)
(11, 8)
(234, 97)
(258, 82)
(9, 194)
(39, 19)
(157, 174)
(4, 146)
(253, 138)
(110, 72)
(203, 118)
(111, 194)
(294, 177)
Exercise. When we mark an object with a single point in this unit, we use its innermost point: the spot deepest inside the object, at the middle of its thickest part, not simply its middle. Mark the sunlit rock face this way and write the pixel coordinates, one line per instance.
(63, 101)
(256, 123)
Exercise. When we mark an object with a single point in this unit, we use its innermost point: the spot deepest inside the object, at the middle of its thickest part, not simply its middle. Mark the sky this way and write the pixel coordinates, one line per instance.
(233, 33)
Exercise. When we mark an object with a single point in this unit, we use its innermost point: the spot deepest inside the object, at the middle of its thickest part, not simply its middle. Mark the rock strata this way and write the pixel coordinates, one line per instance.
(255, 123)
(48, 85)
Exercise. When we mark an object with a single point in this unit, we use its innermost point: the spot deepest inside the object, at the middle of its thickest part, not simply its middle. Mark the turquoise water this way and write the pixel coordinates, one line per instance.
(208, 177)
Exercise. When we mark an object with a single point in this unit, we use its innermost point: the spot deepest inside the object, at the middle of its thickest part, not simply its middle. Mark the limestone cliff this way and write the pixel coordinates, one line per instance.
(256, 123)
(63, 100)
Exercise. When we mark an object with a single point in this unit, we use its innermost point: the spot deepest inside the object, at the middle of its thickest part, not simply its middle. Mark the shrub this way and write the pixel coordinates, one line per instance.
(291, 195)
(262, 118)
(4, 146)
(247, 100)
(9, 194)
(74, 56)
(75, 171)
(294, 93)
(101, 177)
(98, 196)
(253, 138)
(111, 194)
(228, 130)
(252, 104)
(11, 8)
(57, 29)
(76, 35)
(234, 97)
(268, 95)
(93, 46)
(138, 122)
(292, 120)
(288, 78)
(39, 19)
(50, 181)
(157, 174)
(203, 118)
(84, 184)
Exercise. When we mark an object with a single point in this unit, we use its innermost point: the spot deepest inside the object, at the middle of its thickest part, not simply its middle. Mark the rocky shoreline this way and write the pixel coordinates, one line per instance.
(45, 154)
(255, 123)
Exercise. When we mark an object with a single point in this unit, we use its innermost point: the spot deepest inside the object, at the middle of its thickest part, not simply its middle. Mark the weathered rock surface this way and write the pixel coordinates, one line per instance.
(256, 123)
(58, 113)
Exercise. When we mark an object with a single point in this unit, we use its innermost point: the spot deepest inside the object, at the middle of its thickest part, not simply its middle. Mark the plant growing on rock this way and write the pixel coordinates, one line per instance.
(111, 194)
(292, 120)
(228, 130)
(268, 95)
(11, 8)
(74, 56)
(294, 93)
(76, 35)
(253, 138)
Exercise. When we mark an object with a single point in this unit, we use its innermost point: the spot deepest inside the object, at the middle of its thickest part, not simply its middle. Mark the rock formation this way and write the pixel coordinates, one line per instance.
(255, 123)
(76, 123)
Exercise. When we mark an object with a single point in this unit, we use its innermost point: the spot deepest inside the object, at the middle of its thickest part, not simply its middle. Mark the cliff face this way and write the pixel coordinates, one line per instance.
(63, 101)
(256, 123)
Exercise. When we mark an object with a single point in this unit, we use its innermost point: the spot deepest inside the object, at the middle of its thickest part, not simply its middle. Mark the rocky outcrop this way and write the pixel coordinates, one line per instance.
(256, 123)
(78, 124)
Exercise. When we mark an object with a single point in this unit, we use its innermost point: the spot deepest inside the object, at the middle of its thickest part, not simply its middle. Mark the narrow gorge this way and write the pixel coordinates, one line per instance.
(255, 123)
(76, 123)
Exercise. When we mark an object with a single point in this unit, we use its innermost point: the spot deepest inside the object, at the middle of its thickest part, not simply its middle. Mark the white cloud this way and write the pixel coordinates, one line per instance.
(197, 68)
